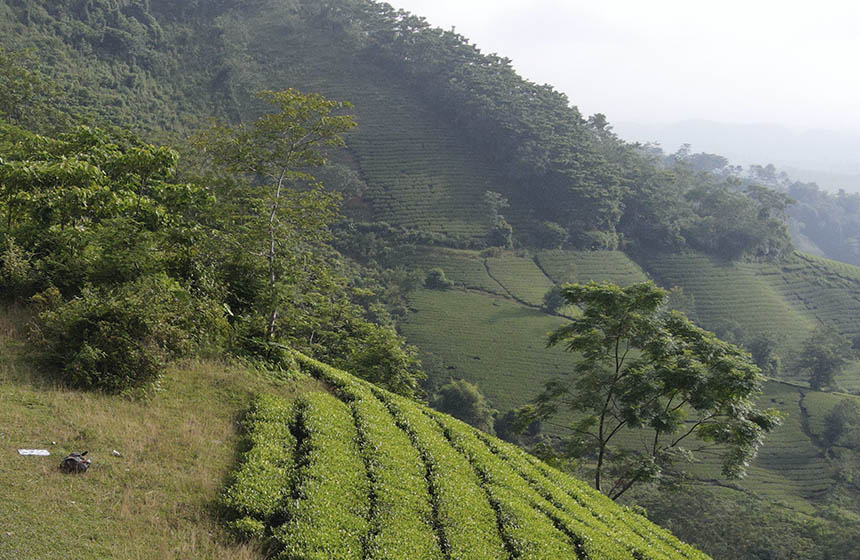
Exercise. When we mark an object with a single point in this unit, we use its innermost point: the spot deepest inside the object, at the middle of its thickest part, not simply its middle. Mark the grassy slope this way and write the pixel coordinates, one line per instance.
(157, 500)
(455, 327)
(154, 501)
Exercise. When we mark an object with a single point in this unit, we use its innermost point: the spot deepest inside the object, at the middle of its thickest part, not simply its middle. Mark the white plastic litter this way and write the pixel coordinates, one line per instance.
(116, 453)
(38, 452)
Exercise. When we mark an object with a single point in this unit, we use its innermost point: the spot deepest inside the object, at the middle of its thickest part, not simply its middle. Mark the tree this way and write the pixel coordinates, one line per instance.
(842, 425)
(463, 400)
(553, 300)
(281, 222)
(500, 232)
(823, 355)
(654, 372)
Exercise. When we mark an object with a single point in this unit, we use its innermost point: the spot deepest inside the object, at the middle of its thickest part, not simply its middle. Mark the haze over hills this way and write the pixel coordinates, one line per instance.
(470, 194)
(830, 158)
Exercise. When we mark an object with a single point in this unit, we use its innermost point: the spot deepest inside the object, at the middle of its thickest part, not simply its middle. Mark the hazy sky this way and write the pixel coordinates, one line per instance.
(787, 62)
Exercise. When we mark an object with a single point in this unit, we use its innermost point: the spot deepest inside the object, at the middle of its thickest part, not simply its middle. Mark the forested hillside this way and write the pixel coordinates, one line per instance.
(253, 179)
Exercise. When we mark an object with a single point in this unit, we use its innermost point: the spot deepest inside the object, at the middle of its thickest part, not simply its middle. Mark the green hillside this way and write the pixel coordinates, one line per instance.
(497, 342)
(439, 125)
(332, 466)
(361, 473)
(730, 295)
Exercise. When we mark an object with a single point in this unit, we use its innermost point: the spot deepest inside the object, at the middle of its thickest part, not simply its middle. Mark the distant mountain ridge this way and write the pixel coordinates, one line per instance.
(829, 157)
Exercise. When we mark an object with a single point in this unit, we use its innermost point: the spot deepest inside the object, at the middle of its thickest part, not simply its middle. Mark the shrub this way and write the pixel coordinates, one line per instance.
(595, 240)
(463, 400)
(553, 300)
(551, 235)
(118, 339)
(16, 272)
(436, 280)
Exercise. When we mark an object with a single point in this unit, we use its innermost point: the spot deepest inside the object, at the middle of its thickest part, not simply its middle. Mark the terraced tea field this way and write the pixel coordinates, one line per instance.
(520, 277)
(421, 171)
(585, 266)
(734, 294)
(827, 290)
(491, 341)
(358, 473)
(466, 269)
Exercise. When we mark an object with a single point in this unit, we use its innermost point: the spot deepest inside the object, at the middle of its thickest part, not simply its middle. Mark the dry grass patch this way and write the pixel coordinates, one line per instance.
(158, 499)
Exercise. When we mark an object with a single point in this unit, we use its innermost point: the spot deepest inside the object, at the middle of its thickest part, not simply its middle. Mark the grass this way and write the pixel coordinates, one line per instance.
(585, 266)
(157, 500)
(731, 296)
(491, 341)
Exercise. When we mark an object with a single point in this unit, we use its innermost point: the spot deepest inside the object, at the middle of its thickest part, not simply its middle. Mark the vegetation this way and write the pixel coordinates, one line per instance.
(134, 256)
(823, 355)
(463, 400)
(456, 493)
(658, 374)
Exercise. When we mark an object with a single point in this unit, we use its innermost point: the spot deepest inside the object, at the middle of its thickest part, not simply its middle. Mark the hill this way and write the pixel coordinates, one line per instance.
(336, 467)
(440, 124)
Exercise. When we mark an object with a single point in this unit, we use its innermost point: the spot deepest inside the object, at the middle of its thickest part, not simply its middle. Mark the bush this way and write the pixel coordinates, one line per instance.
(551, 235)
(463, 400)
(16, 272)
(436, 280)
(553, 300)
(595, 240)
(122, 338)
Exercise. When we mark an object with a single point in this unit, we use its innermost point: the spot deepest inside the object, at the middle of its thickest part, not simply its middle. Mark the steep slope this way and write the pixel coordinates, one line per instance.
(373, 475)
(334, 466)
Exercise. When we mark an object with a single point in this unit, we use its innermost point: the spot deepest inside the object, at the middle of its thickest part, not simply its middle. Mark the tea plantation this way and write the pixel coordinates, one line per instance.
(356, 472)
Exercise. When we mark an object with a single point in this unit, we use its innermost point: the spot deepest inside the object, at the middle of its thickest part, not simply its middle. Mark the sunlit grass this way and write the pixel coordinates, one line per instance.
(158, 498)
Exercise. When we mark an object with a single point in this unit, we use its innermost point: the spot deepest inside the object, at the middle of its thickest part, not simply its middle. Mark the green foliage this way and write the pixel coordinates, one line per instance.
(436, 280)
(26, 98)
(428, 486)
(551, 235)
(763, 350)
(465, 515)
(261, 485)
(842, 425)
(656, 373)
(330, 517)
(554, 299)
(463, 400)
(382, 357)
(823, 354)
(16, 272)
(120, 338)
(402, 525)
(279, 228)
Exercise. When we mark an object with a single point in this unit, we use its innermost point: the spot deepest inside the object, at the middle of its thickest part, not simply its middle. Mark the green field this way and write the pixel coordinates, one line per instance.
(520, 277)
(732, 296)
(491, 341)
(466, 269)
(587, 266)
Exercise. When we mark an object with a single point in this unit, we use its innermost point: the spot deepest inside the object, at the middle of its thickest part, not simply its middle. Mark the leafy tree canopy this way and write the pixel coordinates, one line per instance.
(642, 369)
